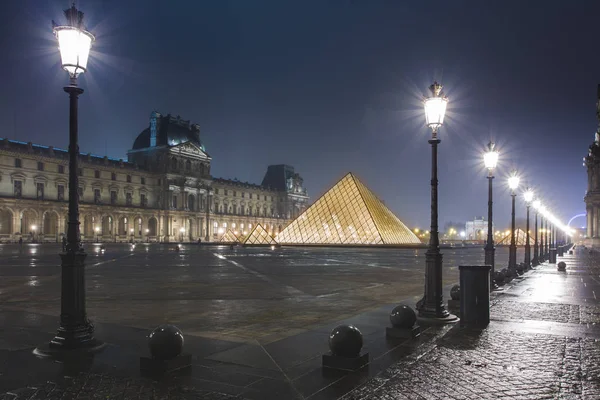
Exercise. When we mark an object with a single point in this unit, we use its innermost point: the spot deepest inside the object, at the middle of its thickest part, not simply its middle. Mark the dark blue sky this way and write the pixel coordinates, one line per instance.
(328, 87)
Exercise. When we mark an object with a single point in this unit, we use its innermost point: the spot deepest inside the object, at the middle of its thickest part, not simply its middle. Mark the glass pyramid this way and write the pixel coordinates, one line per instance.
(229, 237)
(520, 238)
(347, 214)
(258, 236)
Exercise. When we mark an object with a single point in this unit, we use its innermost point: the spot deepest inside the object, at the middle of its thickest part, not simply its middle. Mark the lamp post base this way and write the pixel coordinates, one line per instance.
(427, 320)
(50, 350)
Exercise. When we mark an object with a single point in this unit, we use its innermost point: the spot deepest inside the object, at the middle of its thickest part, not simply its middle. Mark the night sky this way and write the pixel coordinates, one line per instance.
(329, 87)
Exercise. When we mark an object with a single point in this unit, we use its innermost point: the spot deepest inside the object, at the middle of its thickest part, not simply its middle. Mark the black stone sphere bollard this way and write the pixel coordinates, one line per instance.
(455, 292)
(403, 316)
(345, 343)
(166, 344)
(499, 277)
(561, 266)
(507, 274)
(403, 319)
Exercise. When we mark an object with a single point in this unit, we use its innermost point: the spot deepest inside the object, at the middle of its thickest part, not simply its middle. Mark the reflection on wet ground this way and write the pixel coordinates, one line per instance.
(212, 291)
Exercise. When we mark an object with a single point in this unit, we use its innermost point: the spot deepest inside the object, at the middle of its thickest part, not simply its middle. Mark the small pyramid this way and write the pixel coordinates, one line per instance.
(348, 214)
(229, 237)
(259, 236)
(520, 238)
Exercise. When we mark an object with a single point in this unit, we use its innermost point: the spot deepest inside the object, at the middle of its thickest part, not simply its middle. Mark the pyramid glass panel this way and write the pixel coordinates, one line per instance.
(348, 213)
(229, 237)
(520, 239)
(259, 236)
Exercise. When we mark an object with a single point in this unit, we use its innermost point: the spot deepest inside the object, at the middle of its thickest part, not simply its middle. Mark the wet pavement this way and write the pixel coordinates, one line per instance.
(256, 321)
(543, 343)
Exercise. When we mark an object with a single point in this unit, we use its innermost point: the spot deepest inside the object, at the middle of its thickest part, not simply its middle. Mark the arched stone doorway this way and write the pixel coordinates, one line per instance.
(107, 226)
(6, 222)
(50, 225)
(152, 227)
(88, 227)
(123, 229)
(28, 222)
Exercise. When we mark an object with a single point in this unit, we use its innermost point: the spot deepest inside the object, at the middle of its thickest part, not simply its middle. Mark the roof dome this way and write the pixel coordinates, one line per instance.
(167, 131)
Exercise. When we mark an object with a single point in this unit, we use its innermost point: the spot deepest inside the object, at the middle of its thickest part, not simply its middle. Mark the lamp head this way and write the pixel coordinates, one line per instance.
(513, 180)
(435, 108)
(528, 195)
(490, 157)
(74, 42)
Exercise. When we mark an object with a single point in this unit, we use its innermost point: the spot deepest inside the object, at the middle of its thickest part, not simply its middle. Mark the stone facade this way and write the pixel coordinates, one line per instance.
(592, 196)
(163, 192)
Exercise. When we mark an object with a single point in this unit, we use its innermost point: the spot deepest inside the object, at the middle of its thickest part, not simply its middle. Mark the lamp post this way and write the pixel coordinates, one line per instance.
(513, 184)
(181, 232)
(542, 235)
(97, 233)
(131, 232)
(431, 306)
(490, 159)
(33, 229)
(147, 238)
(75, 333)
(536, 255)
(528, 196)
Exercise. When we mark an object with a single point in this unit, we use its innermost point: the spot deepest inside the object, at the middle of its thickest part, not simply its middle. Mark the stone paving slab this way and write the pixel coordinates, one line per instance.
(532, 349)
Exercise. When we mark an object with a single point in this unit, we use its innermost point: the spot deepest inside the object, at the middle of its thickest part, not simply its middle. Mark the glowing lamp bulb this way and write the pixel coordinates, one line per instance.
(513, 181)
(490, 158)
(435, 107)
(528, 195)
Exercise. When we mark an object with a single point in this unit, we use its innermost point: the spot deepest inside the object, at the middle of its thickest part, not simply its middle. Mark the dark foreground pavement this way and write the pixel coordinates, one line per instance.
(542, 343)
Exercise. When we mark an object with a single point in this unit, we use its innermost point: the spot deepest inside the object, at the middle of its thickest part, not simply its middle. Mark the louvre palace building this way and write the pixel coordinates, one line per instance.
(164, 192)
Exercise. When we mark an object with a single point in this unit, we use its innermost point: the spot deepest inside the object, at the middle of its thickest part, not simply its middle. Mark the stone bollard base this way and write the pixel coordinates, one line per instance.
(154, 367)
(454, 307)
(403, 333)
(345, 363)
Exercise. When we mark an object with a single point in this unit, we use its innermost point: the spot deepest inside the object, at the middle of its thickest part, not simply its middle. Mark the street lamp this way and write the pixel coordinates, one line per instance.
(542, 231)
(490, 159)
(513, 184)
(97, 232)
(33, 229)
(75, 331)
(181, 232)
(528, 196)
(431, 306)
(536, 255)
(147, 237)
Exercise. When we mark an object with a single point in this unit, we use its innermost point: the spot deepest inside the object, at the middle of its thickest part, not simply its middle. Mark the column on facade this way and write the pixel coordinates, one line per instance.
(594, 221)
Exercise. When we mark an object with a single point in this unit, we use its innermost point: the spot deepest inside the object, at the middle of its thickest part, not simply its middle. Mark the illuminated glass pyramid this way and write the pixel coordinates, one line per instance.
(229, 237)
(258, 236)
(520, 238)
(347, 214)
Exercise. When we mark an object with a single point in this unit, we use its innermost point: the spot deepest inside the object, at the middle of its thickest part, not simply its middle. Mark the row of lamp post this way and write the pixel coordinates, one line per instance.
(431, 305)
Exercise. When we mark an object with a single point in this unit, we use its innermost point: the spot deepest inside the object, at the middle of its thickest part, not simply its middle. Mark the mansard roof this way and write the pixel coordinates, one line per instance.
(169, 131)
(58, 153)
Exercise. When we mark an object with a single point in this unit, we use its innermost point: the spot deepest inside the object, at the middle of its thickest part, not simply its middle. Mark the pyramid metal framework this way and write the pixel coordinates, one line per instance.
(259, 236)
(520, 238)
(347, 214)
(229, 237)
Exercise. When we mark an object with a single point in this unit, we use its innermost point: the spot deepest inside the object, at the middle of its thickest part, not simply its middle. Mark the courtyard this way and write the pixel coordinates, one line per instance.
(240, 294)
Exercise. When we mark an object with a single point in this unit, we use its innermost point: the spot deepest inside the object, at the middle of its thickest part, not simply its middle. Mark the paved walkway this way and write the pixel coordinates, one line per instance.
(542, 343)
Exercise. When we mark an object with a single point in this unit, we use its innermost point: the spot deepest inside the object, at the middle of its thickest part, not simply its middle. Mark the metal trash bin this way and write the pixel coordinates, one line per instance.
(474, 295)
(552, 259)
